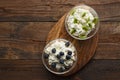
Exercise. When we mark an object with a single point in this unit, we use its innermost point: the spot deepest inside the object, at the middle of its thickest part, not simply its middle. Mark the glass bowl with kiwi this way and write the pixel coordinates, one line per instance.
(82, 22)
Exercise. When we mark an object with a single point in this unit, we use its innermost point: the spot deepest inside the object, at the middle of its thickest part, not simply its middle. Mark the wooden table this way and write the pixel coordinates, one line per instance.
(23, 30)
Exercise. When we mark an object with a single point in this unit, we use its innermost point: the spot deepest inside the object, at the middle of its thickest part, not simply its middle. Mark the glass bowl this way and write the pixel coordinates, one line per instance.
(54, 64)
(82, 22)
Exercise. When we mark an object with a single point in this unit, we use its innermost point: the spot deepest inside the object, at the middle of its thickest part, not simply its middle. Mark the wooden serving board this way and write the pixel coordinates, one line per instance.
(85, 49)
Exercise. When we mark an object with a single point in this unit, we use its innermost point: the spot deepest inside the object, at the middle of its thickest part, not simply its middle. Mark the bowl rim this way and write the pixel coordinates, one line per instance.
(96, 25)
(60, 73)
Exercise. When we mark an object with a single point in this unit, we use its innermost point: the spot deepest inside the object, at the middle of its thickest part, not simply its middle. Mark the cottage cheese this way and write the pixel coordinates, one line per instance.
(80, 22)
(60, 52)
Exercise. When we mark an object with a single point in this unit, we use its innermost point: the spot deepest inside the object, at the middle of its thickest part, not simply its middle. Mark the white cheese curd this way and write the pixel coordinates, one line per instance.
(73, 58)
(69, 63)
(63, 55)
(58, 66)
(80, 22)
(48, 50)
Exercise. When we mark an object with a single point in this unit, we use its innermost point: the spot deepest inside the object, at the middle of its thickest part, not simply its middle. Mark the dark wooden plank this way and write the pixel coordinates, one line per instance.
(109, 32)
(109, 41)
(28, 45)
(25, 30)
(26, 40)
(52, 10)
(34, 70)
(33, 31)
(107, 51)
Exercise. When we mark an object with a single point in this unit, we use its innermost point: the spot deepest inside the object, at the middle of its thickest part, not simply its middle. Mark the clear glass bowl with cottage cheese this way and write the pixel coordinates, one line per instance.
(82, 22)
(59, 56)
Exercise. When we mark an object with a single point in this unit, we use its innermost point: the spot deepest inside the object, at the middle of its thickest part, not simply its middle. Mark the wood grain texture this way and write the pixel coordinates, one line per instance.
(85, 49)
(34, 70)
(52, 10)
(27, 38)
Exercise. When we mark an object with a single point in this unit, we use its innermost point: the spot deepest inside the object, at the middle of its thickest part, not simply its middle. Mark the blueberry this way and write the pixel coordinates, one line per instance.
(46, 55)
(61, 61)
(53, 65)
(68, 57)
(61, 69)
(61, 53)
(67, 44)
(69, 52)
(58, 56)
(53, 50)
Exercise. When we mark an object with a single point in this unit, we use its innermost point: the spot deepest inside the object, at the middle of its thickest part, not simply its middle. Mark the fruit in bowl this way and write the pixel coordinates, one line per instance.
(59, 56)
(82, 22)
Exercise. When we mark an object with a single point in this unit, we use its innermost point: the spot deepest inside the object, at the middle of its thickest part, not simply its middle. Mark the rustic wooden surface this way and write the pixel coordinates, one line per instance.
(23, 30)
(85, 49)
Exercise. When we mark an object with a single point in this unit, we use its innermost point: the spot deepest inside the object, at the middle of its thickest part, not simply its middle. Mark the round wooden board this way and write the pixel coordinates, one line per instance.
(85, 49)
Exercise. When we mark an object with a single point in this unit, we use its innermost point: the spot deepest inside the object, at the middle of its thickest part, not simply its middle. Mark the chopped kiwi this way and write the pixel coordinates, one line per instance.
(73, 31)
(95, 20)
(90, 25)
(83, 14)
(72, 12)
(76, 21)
(86, 28)
(87, 20)
(82, 36)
